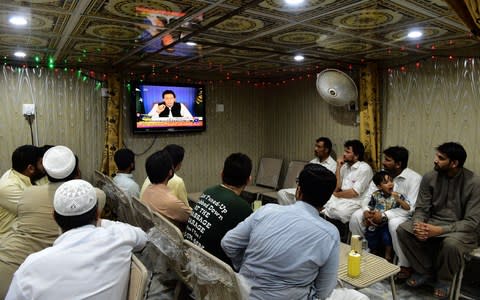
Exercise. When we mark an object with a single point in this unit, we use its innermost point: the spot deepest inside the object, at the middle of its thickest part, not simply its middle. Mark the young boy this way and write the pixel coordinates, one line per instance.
(383, 199)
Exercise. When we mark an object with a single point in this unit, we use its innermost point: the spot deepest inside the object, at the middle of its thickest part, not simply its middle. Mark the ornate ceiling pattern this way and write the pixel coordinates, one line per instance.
(246, 38)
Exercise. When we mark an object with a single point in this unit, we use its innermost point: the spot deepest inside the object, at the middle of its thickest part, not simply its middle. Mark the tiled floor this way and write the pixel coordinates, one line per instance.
(382, 291)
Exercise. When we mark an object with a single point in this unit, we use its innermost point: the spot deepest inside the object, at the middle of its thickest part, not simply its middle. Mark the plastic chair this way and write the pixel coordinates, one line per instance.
(211, 278)
(139, 276)
(294, 169)
(267, 178)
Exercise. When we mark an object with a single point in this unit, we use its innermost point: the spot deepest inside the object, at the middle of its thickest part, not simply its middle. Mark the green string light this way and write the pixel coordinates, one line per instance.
(51, 63)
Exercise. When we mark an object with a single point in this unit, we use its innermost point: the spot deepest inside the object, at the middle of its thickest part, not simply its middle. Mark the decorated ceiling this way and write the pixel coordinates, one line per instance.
(233, 38)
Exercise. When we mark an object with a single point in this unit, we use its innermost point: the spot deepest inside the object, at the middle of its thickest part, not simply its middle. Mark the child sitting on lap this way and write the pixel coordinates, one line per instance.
(376, 222)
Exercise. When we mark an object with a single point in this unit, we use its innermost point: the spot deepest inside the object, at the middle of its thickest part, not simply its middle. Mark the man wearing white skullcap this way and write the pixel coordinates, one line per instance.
(86, 261)
(34, 229)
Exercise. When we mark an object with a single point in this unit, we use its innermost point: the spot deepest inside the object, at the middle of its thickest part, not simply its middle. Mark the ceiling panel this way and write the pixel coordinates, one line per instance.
(235, 38)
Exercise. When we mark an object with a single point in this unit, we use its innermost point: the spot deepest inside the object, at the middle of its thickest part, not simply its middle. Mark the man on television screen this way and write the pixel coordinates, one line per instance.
(169, 108)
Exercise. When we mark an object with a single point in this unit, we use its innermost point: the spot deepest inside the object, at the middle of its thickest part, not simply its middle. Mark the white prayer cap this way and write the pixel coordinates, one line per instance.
(74, 197)
(59, 162)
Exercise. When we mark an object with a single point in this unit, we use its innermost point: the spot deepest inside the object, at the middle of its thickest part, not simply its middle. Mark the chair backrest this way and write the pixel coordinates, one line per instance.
(143, 214)
(168, 228)
(138, 279)
(99, 179)
(168, 238)
(269, 172)
(294, 169)
(210, 277)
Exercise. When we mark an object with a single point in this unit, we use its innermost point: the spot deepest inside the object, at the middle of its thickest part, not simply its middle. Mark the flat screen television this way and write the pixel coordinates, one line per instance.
(167, 107)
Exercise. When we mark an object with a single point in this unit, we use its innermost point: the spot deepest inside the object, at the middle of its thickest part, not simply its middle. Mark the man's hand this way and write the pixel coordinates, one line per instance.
(423, 231)
(160, 108)
(340, 161)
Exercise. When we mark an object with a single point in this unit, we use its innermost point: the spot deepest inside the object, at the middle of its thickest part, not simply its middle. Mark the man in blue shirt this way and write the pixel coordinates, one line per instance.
(289, 252)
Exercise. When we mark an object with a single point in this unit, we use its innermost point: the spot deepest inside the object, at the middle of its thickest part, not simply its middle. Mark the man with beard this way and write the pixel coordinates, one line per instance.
(14, 181)
(322, 150)
(445, 224)
(353, 176)
(405, 182)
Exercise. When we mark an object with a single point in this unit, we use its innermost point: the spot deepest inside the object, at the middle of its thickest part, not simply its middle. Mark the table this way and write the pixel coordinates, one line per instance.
(373, 269)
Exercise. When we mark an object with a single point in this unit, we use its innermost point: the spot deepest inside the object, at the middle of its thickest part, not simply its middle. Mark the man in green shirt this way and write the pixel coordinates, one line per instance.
(220, 207)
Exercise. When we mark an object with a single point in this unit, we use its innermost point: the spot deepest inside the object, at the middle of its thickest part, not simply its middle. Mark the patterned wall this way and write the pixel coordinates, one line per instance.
(435, 103)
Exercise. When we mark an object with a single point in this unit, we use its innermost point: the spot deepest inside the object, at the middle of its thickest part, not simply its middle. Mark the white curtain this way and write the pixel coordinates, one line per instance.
(69, 110)
(431, 103)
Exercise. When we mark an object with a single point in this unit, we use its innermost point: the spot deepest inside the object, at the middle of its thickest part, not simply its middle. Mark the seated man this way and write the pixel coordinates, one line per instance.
(158, 196)
(446, 220)
(323, 149)
(91, 259)
(125, 161)
(34, 229)
(289, 252)
(14, 181)
(353, 177)
(406, 182)
(169, 108)
(175, 184)
(220, 207)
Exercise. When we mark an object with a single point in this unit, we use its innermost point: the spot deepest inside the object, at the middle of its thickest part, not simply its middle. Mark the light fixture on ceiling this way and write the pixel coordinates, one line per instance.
(298, 57)
(18, 20)
(189, 43)
(294, 2)
(20, 54)
(414, 34)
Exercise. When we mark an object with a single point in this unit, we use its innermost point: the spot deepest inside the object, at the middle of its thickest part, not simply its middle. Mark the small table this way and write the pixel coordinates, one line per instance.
(373, 269)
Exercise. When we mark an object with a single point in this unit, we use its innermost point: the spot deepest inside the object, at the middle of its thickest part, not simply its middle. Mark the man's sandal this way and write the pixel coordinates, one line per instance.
(418, 279)
(441, 290)
(404, 274)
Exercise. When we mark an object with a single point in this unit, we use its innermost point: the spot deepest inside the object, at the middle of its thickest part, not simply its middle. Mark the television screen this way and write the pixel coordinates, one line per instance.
(167, 107)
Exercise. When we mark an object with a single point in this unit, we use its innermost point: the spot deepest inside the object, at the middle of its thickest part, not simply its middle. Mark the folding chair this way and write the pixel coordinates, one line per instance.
(456, 285)
(266, 180)
(290, 182)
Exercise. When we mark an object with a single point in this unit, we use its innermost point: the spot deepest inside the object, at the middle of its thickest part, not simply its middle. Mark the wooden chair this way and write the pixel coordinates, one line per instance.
(294, 169)
(266, 180)
(139, 276)
(211, 278)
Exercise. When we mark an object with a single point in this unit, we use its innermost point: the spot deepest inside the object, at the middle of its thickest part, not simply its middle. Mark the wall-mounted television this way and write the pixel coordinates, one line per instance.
(167, 107)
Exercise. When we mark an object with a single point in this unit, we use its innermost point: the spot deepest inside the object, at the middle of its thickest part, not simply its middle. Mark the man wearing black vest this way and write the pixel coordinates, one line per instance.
(169, 107)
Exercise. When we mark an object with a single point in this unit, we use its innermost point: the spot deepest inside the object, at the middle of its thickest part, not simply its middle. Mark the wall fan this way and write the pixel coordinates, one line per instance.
(337, 88)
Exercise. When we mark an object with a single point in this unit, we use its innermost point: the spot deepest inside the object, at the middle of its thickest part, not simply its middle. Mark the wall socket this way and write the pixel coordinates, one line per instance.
(28, 109)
